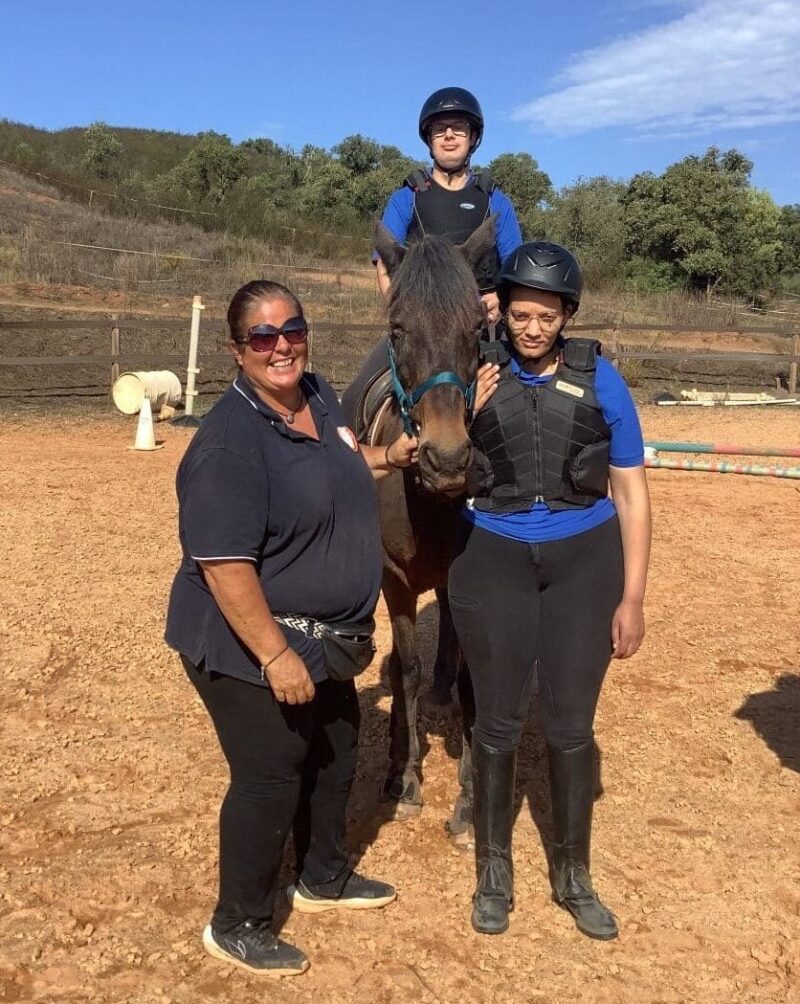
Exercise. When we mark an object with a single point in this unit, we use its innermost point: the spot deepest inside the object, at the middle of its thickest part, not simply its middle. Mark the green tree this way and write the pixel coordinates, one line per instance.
(702, 217)
(103, 154)
(328, 195)
(789, 233)
(210, 169)
(528, 187)
(24, 155)
(587, 217)
(358, 154)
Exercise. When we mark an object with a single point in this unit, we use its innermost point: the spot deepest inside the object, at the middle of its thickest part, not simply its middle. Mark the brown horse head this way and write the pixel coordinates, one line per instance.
(435, 317)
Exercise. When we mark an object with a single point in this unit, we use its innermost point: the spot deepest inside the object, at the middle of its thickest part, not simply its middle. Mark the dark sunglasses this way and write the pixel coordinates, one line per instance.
(264, 337)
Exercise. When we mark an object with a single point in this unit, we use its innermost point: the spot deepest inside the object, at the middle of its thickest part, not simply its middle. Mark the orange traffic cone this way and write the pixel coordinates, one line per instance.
(145, 437)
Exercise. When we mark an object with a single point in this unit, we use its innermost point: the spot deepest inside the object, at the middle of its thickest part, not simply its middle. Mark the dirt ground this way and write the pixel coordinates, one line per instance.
(112, 778)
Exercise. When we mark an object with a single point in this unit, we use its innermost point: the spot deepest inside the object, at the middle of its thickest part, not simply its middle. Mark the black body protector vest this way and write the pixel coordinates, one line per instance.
(455, 216)
(548, 443)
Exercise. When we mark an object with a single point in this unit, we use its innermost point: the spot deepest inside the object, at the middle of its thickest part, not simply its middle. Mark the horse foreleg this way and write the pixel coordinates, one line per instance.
(438, 700)
(460, 826)
(402, 785)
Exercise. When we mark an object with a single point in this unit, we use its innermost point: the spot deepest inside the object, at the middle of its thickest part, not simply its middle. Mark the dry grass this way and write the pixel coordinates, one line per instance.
(36, 223)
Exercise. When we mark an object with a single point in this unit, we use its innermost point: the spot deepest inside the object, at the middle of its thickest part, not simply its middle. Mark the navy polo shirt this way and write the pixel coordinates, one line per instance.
(251, 488)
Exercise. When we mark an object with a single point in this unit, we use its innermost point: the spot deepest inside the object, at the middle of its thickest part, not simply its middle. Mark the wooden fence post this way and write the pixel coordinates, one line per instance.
(793, 365)
(615, 360)
(191, 370)
(114, 350)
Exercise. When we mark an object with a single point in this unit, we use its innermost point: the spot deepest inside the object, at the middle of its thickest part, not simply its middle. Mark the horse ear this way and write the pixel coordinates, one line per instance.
(391, 251)
(479, 243)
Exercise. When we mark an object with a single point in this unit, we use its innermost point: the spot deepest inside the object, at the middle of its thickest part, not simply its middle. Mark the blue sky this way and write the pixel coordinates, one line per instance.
(606, 87)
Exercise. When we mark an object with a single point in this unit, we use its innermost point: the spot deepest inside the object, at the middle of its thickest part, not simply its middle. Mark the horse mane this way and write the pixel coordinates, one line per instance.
(434, 281)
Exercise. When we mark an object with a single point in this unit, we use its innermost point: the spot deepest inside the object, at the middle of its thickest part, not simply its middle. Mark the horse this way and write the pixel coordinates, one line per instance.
(435, 319)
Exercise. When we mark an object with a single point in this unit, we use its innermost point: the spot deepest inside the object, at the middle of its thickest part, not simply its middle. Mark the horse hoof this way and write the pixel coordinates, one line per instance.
(463, 840)
(437, 704)
(404, 796)
(460, 826)
(401, 812)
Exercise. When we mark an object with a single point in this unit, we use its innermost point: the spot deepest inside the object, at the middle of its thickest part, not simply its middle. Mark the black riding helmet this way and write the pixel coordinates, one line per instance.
(452, 101)
(545, 266)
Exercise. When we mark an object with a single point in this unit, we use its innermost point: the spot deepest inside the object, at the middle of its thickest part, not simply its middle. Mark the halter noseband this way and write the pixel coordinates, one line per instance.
(408, 400)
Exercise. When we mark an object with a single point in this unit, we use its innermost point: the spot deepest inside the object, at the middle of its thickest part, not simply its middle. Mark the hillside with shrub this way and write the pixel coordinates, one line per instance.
(700, 226)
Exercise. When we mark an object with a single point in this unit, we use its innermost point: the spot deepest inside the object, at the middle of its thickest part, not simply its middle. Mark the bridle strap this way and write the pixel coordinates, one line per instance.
(407, 401)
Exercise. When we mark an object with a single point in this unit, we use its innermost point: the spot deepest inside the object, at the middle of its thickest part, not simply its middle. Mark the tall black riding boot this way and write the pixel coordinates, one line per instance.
(572, 781)
(493, 773)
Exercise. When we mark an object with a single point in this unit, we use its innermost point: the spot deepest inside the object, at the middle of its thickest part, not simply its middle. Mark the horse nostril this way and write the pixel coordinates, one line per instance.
(430, 457)
(461, 456)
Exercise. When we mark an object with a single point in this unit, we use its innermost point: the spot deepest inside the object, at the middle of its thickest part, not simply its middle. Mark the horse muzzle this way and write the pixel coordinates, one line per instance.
(444, 470)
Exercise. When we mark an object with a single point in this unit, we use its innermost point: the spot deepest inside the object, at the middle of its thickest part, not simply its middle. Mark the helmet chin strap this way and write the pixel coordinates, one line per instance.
(451, 171)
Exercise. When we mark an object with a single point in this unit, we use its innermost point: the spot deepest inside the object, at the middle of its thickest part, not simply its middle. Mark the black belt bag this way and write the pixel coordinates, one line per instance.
(349, 646)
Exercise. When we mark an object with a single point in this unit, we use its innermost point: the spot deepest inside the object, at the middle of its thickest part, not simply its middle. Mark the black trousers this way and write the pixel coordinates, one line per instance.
(515, 605)
(292, 767)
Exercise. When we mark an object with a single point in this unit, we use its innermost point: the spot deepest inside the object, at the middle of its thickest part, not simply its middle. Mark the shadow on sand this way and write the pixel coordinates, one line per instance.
(775, 716)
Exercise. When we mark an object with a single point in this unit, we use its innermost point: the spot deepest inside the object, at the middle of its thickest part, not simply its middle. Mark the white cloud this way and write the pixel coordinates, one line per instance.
(725, 64)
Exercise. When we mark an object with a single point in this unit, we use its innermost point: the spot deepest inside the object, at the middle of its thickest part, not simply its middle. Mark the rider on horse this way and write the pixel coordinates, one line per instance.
(448, 201)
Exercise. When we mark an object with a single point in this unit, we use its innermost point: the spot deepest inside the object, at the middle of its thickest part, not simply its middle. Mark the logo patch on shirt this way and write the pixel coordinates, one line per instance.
(348, 437)
(467, 205)
(570, 388)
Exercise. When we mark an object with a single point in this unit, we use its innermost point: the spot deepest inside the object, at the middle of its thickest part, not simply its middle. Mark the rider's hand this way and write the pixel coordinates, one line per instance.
(288, 679)
(403, 451)
(491, 305)
(488, 376)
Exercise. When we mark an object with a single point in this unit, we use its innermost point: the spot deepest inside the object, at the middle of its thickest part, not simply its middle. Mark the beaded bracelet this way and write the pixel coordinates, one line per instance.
(269, 662)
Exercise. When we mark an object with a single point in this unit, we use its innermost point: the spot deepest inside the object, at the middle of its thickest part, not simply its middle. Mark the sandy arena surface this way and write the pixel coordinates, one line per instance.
(112, 778)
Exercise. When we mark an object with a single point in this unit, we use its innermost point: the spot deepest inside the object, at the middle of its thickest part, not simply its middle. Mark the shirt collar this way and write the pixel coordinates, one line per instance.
(243, 387)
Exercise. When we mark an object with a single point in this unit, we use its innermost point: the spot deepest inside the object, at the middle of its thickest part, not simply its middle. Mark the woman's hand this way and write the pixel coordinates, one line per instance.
(403, 451)
(486, 385)
(627, 629)
(288, 679)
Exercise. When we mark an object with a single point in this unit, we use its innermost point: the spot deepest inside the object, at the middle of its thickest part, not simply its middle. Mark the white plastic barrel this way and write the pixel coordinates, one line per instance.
(160, 387)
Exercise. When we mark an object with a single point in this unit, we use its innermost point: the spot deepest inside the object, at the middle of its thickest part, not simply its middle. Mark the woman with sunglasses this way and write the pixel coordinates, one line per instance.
(550, 574)
(279, 532)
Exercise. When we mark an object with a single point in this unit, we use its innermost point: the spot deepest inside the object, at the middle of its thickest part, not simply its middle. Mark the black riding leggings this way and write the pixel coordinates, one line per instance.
(291, 767)
(516, 605)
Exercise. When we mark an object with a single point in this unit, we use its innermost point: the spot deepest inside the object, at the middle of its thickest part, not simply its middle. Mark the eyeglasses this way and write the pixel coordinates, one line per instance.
(546, 322)
(264, 337)
(458, 127)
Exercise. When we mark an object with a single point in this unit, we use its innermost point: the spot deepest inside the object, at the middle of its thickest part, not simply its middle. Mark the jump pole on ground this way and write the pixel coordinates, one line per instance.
(725, 448)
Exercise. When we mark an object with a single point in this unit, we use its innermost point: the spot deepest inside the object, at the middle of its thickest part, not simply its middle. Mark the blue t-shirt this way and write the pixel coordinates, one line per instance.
(399, 212)
(539, 523)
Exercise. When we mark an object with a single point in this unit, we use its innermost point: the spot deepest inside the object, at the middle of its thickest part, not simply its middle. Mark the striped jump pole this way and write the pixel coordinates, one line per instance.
(733, 451)
(723, 467)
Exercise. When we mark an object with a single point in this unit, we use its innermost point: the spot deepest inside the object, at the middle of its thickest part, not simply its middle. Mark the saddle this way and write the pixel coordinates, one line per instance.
(371, 403)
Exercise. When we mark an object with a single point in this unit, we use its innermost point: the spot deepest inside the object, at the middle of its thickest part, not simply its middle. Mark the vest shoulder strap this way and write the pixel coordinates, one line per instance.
(418, 181)
(485, 182)
(581, 354)
(494, 352)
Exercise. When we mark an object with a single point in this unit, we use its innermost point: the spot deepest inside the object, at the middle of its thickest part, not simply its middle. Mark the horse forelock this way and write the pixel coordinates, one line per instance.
(434, 302)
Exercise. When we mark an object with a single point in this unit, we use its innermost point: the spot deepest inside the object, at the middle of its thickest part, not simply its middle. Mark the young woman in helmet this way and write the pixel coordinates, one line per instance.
(550, 572)
(448, 201)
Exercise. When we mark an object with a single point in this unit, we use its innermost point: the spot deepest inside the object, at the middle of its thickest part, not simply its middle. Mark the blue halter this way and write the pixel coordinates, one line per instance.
(407, 400)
